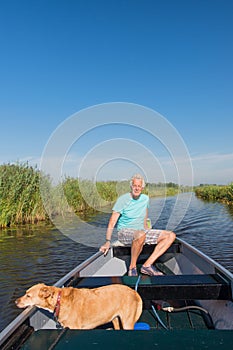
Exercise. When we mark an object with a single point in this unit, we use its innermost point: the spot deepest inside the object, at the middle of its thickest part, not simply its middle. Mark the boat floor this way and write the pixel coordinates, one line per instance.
(130, 340)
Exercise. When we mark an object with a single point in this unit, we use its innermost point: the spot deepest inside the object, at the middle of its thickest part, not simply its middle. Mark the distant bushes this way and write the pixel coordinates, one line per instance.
(21, 201)
(216, 193)
(85, 195)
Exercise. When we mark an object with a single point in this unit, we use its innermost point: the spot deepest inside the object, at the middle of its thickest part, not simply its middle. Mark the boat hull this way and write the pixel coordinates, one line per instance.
(190, 278)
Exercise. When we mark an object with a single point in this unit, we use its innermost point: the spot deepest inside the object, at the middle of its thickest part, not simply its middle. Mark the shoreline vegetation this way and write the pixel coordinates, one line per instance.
(21, 201)
(215, 193)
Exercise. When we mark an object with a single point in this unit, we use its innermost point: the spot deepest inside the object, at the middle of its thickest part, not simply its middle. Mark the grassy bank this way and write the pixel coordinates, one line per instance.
(21, 202)
(216, 193)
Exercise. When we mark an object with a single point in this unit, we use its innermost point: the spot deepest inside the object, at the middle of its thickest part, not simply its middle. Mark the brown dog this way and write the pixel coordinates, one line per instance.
(86, 308)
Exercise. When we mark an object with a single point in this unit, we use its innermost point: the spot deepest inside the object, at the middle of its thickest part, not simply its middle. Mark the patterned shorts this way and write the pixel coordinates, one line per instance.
(126, 236)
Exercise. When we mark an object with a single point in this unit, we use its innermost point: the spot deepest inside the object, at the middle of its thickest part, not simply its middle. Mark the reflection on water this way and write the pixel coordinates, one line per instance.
(230, 209)
(35, 254)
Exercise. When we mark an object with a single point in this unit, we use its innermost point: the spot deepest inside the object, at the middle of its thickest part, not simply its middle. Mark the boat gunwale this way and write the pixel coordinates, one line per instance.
(208, 259)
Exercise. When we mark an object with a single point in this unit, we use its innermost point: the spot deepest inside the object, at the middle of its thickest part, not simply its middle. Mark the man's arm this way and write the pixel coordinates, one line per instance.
(145, 220)
(112, 222)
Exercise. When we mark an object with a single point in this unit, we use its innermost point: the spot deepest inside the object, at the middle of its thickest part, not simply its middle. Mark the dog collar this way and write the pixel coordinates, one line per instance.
(57, 307)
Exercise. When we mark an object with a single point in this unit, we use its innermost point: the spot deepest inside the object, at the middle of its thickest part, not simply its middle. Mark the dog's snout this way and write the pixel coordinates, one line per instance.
(19, 303)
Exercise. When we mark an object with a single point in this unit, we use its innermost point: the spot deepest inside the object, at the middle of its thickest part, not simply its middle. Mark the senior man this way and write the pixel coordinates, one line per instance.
(130, 213)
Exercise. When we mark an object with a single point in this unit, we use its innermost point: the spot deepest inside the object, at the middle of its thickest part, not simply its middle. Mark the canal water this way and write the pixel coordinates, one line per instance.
(40, 253)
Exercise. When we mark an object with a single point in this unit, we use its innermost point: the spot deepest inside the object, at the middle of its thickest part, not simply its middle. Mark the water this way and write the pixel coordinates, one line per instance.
(42, 254)
(29, 256)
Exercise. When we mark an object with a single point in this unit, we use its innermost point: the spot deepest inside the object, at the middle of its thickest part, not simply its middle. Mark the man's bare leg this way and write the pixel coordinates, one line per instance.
(165, 240)
(136, 248)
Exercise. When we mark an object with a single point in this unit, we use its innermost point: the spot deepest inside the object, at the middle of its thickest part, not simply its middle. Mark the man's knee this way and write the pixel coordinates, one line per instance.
(168, 235)
(171, 236)
(139, 235)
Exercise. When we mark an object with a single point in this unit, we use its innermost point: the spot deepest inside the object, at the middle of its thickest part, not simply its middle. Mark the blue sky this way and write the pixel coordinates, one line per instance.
(174, 57)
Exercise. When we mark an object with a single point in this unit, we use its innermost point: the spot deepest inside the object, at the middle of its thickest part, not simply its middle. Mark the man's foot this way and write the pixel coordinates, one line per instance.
(133, 272)
(150, 270)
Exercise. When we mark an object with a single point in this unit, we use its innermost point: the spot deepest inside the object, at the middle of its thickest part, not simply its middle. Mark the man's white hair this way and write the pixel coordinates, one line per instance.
(137, 177)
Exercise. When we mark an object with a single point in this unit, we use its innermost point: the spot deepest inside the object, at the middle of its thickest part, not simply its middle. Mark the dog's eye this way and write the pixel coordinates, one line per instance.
(28, 296)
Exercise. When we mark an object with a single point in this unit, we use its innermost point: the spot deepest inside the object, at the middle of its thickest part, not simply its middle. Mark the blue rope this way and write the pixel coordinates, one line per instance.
(137, 283)
(158, 318)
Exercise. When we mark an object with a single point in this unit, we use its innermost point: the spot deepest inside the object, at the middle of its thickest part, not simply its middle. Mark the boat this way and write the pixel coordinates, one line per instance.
(189, 306)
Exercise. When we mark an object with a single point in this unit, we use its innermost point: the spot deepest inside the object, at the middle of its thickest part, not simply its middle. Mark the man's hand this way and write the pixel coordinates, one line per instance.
(105, 247)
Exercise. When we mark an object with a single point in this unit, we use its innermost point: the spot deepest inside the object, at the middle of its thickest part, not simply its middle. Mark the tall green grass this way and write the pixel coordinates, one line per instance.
(21, 200)
(216, 193)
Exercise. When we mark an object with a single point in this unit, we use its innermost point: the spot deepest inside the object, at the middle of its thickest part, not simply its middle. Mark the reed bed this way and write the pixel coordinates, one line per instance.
(216, 193)
(21, 201)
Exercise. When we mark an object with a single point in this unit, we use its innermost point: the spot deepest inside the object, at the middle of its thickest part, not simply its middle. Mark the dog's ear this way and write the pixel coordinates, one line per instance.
(45, 292)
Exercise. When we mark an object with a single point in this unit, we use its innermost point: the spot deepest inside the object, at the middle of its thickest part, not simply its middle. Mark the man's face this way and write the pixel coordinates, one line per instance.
(136, 188)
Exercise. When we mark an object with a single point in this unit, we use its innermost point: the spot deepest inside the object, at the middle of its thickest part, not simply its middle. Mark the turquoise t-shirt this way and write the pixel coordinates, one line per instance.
(133, 211)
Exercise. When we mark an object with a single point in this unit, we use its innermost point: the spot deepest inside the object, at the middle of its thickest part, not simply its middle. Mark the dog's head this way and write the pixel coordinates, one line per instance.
(38, 295)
